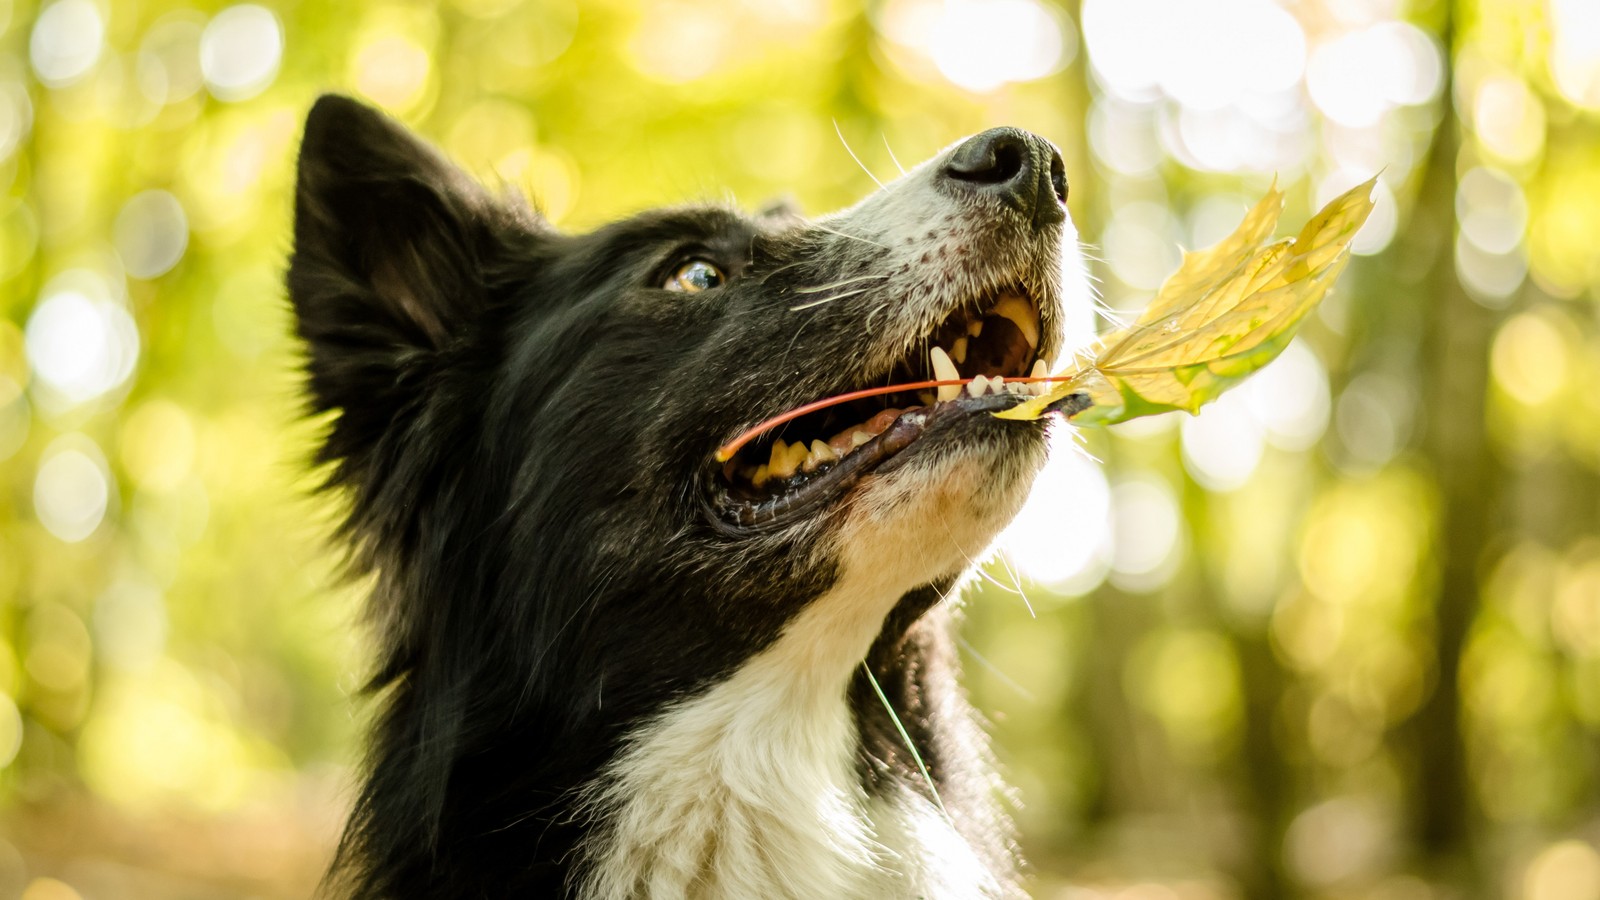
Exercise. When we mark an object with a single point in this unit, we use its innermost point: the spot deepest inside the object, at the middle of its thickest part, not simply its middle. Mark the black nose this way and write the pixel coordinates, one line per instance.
(1021, 169)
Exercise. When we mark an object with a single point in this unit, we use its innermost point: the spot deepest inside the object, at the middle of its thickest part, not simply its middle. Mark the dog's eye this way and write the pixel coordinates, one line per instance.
(694, 276)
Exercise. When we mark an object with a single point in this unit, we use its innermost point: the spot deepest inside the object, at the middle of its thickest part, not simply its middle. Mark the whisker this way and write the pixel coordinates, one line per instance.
(840, 133)
(767, 277)
(820, 227)
(816, 303)
(994, 581)
(1016, 580)
(829, 287)
(1005, 679)
(892, 158)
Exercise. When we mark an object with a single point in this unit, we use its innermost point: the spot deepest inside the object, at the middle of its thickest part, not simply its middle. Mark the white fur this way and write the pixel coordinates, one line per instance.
(749, 790)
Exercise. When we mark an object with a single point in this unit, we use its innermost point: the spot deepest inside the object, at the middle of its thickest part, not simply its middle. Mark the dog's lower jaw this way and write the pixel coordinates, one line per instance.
(752, 788)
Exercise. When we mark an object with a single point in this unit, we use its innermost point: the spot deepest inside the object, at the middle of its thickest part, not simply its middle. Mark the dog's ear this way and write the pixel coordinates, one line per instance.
(391, 246)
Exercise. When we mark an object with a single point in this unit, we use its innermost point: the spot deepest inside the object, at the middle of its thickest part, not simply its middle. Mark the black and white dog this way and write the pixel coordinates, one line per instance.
(610, 666)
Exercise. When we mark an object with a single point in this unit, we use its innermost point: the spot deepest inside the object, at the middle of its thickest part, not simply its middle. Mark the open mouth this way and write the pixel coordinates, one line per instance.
(811, 460)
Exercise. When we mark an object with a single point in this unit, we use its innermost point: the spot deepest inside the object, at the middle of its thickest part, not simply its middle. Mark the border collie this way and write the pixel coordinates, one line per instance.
(610, 666)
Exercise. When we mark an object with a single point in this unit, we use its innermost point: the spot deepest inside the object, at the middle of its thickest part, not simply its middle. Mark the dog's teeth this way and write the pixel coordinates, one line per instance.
(798, 454)
(944, 370)
(1018, 388)
(784, 462)
(975, 328)
(762, 475)
(1040, 369)
(880, 423)
(820, 453)
(927, 397)
(842, 443)
(857, 438)
(1021, 314)
(958, 350)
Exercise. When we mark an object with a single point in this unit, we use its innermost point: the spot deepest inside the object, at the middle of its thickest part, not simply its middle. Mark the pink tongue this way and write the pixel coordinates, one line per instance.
(844, 441)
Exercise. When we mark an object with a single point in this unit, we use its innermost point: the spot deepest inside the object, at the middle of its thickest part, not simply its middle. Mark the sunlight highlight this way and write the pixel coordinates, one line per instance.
(1062, 536)
(983, 45)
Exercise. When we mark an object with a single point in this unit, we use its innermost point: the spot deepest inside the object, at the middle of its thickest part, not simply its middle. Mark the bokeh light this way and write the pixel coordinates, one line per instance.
(1568, 870)
(151, 233)
(240, 51)
(169, 58)
(1060, 538)
(1575, 56)
(1206, 56)
(982, 45)
(1147, 529)
(82, 344)
(1358, 77)
(1223, 444)
(66, 42)
(73, 488)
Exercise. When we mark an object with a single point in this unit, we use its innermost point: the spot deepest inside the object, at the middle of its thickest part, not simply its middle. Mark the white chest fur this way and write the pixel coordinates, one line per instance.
(749, 790)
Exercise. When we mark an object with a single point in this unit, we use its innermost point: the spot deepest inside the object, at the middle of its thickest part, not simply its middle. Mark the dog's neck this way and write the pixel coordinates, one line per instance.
(759, 786)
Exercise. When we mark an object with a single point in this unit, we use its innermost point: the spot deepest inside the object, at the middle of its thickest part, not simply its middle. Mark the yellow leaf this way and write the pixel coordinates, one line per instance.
(1228, 311)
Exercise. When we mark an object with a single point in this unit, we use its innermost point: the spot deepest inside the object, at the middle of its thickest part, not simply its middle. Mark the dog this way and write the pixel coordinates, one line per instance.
(610, 666)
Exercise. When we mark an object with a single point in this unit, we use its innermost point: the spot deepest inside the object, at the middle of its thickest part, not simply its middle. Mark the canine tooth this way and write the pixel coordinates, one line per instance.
(975, 328)
(945, 370)
(958, 350)
(1021, 314)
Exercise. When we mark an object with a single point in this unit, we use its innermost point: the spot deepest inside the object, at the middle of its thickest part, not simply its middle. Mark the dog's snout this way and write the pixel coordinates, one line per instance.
(1022, 169)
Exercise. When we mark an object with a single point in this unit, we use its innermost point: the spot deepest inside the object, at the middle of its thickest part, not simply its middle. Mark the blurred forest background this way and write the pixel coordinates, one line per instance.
(1337, 637)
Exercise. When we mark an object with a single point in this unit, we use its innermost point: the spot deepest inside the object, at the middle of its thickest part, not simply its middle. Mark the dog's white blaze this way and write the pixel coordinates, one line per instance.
(749, 790)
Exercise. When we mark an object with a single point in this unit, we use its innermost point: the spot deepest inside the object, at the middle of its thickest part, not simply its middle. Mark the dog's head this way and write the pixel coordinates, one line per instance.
(526, 421)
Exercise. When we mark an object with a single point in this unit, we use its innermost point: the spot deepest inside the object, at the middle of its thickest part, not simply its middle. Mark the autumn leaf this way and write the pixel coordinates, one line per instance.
(1228, 311)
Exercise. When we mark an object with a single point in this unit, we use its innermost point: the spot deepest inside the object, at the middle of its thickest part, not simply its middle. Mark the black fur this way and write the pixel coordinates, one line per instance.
(522, 422)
